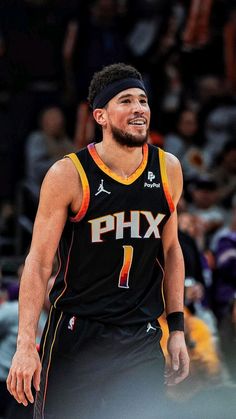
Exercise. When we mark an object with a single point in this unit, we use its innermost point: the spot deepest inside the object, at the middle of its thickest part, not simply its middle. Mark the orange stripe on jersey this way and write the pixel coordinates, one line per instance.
(109, 172)
(124, 273)
(163, 298)
(85, 187)
(165, 180)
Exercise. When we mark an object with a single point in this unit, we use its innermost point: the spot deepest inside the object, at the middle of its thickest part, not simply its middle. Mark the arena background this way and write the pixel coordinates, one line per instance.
(186, 52)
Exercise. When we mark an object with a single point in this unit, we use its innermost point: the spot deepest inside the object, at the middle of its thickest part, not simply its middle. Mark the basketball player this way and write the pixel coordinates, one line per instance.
(110, 210)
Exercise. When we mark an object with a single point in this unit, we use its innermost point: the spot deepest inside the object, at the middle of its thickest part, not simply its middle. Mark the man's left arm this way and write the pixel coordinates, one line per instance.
(174, 281)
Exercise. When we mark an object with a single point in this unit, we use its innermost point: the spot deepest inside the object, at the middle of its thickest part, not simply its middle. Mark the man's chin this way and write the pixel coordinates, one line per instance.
(129, 140)
(132, 141)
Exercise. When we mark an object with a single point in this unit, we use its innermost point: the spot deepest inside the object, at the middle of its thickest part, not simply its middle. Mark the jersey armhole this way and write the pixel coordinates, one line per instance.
(164, 178)
(85, 187)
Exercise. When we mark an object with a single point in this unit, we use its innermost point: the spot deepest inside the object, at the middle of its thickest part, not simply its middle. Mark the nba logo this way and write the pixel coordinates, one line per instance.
(151, 176)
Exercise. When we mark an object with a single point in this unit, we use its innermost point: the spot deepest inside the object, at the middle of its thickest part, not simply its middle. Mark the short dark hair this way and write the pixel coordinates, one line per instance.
(108, 75)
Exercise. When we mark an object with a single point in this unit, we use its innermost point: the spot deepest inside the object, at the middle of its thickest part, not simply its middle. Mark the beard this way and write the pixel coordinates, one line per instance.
(128, 140)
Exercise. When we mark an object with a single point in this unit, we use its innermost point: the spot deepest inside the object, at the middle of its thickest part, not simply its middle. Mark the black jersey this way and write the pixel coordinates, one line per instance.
(110, 253)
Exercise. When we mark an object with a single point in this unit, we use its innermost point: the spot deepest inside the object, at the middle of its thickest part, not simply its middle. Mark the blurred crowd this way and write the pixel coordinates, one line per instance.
(186, 52)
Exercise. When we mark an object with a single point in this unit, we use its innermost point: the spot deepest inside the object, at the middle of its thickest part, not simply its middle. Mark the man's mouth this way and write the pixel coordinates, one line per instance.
(138, 121)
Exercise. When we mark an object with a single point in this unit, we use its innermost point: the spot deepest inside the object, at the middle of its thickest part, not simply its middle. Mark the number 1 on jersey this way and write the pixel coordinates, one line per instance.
(125, 270)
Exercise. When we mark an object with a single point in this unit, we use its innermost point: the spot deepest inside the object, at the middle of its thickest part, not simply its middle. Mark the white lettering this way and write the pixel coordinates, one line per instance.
(107, 223)
(133, 224)
(153, 224)
(151, 185)
(97, 229)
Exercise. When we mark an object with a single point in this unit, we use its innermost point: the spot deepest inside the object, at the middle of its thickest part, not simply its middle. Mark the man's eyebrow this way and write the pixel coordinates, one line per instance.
(128, 95)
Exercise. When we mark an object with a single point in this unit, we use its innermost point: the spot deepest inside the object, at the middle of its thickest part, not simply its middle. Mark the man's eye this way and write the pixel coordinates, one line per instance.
(125, 101)
(143, 101)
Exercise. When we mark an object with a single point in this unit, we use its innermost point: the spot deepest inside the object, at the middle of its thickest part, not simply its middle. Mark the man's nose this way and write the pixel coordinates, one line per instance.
(138, 107)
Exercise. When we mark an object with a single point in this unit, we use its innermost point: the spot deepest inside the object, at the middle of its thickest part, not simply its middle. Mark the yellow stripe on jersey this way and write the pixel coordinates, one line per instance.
(165, 182)
(85, 187)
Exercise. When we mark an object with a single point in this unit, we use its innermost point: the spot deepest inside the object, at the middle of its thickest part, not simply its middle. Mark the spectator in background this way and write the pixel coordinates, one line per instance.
(32, 34)
(205, 364)
(93, 41)
(147, 23)
(8, 335)
(45, 146)
(225, 172)
(202, 49)
(225, 290)
(192, 256)
(183, 143)
(198, 274)
(196, 33)
(185, 133)
(161, 61)
(218, 122)
(229, 49)
(8, 338)
(205, 198)
(219, 126)
(224, 248)
(210, 90)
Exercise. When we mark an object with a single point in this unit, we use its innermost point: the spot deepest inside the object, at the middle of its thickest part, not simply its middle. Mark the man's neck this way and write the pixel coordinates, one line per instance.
(120, 159)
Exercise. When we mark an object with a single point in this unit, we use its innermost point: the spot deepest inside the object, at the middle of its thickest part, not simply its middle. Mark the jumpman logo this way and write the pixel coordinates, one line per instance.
(71, 323)
(149, 327)
(101, 189)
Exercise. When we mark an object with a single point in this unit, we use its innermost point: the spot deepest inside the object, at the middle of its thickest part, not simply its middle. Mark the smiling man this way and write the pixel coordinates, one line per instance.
(109, 212)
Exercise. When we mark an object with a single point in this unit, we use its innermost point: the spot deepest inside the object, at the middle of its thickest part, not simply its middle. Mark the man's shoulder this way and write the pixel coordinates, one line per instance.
(81, 154)
(62, 177)
(171, 159)
(61, 167)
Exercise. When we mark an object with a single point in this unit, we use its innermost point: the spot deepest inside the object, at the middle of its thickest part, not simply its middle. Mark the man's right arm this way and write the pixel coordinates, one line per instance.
(55, 198)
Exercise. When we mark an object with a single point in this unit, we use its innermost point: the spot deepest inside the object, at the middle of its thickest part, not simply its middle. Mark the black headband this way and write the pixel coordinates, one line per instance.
(114, 88)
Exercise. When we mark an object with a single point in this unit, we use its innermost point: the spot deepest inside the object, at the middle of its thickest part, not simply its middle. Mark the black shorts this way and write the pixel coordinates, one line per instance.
(92, 370)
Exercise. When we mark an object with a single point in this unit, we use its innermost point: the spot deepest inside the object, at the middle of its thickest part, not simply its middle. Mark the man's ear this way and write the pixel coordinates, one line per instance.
(100, 116)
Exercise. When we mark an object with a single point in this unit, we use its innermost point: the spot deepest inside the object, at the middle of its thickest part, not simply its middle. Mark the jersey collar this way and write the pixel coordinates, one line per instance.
(126, 181)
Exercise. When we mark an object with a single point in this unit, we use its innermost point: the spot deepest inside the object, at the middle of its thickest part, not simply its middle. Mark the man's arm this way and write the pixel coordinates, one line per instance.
(55, 198)
(174, 277)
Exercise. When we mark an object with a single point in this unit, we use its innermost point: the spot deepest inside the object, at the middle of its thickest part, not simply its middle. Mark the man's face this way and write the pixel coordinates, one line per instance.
(128, 117)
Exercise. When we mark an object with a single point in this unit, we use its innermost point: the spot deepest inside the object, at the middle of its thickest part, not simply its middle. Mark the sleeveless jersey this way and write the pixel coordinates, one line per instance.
(110, 253)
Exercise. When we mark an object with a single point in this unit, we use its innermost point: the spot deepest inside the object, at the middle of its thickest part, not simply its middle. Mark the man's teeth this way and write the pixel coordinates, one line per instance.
(137, 123)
